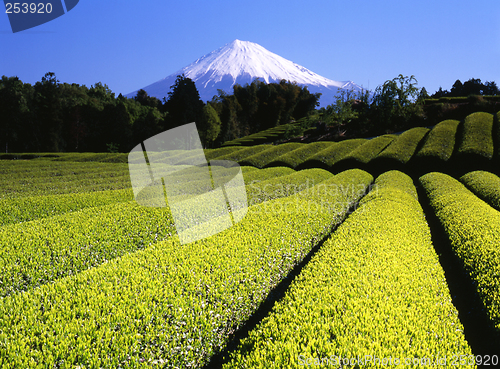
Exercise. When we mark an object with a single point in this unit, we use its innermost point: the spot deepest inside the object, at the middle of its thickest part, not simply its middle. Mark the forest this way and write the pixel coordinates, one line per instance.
(51, 116)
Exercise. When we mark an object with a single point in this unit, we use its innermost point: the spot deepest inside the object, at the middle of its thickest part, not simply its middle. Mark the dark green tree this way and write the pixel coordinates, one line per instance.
(395, 103)
(457, 89)
(144, 99)
(15, 115)
(472, 87)
(75, 130)
(49, 114)
(184, 104)
(211, 125)
(422, 95)
(491, 88)
(227, 108)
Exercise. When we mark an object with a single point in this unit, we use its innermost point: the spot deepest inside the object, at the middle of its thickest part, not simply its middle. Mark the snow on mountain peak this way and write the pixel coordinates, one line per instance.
(241, 62)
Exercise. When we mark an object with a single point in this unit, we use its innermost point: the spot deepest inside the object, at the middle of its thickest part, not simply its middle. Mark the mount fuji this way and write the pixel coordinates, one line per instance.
(240, 62)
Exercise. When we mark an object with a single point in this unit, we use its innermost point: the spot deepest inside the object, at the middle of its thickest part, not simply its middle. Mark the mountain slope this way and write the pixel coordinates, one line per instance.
(240, 62)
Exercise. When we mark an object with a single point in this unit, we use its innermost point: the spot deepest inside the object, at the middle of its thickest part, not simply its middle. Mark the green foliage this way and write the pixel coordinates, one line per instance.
(485, 185)
(14, 114)
(259, 106)
(396, 102)
(473, 86)
(472, 227)
(404, 146)
(51, 248)
(253, 175)
(166, 303)
(283, 185)
(370, 149)
(212, 154)
(267, 136)
(54, 116)
(23, 209)
(212, 125)
(242, 154)
(476, 136)
(184, 104)
(46, 177)
(496, 134)
(334, 153)
(93, 157)
(374, 288)
(346, 112)
(265, 157)
(298, 156)
(440, 141)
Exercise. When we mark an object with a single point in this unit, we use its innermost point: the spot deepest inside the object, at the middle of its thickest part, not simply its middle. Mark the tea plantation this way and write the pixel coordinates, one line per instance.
(364, 253)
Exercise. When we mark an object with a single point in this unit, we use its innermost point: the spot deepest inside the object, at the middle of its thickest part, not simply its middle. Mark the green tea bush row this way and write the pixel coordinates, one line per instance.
(404, 146)
(296, 157)
(252, 174)
(370, 149)
(485, 185)
(375, 290)
(24, 209)
(245, 152)
(268, 135)
(276, 181)
(46, 168)
(170, 305)
(41, 251)
(212, 154)
(38, 178)
(331, 155)
(99, 157)
(38, 187)
(477, 137)
(284, 186)
(496, 131)
(473, 229)
(440, 141)
(265, 157)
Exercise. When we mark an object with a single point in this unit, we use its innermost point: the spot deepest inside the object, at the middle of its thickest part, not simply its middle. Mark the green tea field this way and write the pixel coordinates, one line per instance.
(363, 253)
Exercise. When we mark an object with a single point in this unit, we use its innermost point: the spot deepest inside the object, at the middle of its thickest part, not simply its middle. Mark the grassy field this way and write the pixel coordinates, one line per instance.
(343, 253)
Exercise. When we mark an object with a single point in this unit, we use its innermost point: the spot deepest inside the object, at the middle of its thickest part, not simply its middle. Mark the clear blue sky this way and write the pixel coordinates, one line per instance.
(128, 44)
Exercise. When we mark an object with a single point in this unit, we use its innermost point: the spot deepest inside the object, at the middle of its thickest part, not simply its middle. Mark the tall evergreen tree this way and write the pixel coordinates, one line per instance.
(184, 104)
(48, 107)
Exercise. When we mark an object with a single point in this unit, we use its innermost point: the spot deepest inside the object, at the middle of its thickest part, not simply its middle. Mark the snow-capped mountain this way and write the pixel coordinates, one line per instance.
(240, 62)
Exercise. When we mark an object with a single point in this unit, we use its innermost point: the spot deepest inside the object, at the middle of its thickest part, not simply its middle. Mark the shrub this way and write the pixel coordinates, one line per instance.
(496, 137)
(440, 141)
(472, 227)
(261, 159)
(370, 149)
(244, 153)
(296, 157)
(476, 138)
(404, 146)
(212, 154)
(485, 185)
(334, 153)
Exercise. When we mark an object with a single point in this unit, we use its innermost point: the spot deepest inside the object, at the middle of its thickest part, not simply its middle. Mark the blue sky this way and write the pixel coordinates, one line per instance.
(129, 44)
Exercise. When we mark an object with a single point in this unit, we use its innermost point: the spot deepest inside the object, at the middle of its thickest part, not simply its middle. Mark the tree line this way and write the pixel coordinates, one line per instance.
(50, 116)
(399, 104)
(473, 86)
